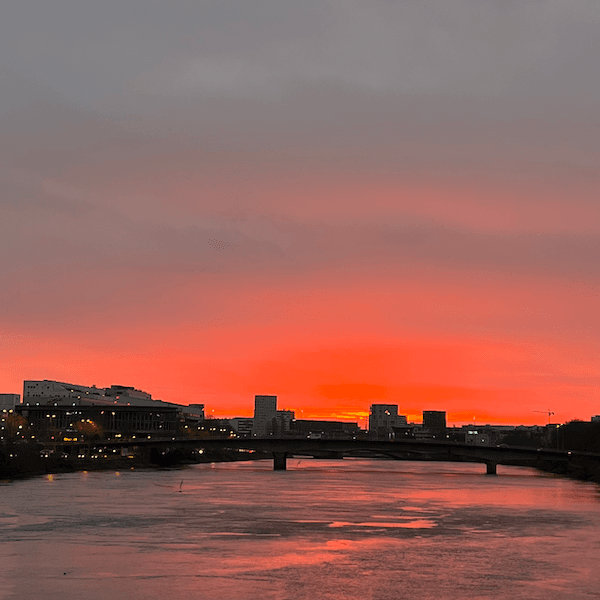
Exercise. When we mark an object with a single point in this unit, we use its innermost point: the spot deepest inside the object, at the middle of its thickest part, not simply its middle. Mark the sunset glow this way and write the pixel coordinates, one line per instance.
(209, 205)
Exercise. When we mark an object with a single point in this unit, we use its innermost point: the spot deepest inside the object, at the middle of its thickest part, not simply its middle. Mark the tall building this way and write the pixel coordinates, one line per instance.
(265, 410)
(383, 418)
(435, 422)
(282, 423)
(385, 415)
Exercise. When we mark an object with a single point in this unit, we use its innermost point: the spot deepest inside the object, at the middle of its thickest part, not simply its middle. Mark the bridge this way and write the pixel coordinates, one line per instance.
(280, 449)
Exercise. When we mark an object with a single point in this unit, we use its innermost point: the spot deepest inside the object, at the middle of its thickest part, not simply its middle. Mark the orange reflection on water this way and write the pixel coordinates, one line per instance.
(415, 524)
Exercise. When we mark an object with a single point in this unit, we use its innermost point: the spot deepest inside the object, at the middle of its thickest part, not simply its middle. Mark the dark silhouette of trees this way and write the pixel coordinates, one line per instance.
(13, 427)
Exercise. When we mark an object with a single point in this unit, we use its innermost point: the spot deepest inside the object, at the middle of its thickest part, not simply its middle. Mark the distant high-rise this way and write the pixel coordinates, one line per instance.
(382, 419)
(265, 410)
(435, 422)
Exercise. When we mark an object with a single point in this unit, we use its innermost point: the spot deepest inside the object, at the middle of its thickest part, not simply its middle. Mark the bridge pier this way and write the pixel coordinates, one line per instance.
(490, 468)
(279, 461)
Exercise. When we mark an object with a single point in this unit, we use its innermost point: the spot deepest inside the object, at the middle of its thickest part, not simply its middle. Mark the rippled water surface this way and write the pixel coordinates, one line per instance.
(322, 529)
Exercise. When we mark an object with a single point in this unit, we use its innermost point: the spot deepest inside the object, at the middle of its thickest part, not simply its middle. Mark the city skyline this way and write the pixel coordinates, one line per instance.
(45, 391)
(334, 203)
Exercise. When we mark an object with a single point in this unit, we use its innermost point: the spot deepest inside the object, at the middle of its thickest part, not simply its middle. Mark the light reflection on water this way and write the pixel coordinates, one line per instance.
(323, 529)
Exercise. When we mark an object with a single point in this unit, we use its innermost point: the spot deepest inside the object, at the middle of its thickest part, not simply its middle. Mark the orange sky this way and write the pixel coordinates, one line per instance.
(481, 351)
(339, 205)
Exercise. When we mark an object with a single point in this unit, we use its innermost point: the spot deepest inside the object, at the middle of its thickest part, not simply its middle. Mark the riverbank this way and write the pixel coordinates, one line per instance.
(582, 471)
(27, 462)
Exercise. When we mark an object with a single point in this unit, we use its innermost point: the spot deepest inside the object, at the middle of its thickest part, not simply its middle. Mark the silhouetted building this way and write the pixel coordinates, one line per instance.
(242, 426)
(280, 424)
(526, 435)
(214, 429)
(326, 430)
(60, 422)
(434, 422)
(193, 412)
(403, 432)
(479, 436)
(579, 435)
(9, 401)
(382, 420)
(54, 394)
(265, 410)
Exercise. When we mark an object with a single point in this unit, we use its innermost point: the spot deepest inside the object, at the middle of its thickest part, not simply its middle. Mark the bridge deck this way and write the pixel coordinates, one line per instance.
(282, 448)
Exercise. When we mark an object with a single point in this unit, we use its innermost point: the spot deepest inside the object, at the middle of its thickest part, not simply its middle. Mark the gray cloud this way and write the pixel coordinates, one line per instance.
(136, 132)
(91, 52)
(433, 88)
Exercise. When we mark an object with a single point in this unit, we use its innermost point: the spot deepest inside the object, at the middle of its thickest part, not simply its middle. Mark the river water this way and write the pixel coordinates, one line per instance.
(364, 529)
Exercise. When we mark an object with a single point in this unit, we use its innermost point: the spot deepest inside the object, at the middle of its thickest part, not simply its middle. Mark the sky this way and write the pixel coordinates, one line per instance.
(337, 202)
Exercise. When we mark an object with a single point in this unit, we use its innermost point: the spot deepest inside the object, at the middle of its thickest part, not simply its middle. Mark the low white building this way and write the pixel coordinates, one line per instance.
(60, 393)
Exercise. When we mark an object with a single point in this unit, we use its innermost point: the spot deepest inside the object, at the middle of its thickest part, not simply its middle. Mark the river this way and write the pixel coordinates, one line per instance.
(336, 529)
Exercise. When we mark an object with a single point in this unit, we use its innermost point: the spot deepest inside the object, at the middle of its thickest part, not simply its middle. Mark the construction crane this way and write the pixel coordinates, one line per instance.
(546, 412)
